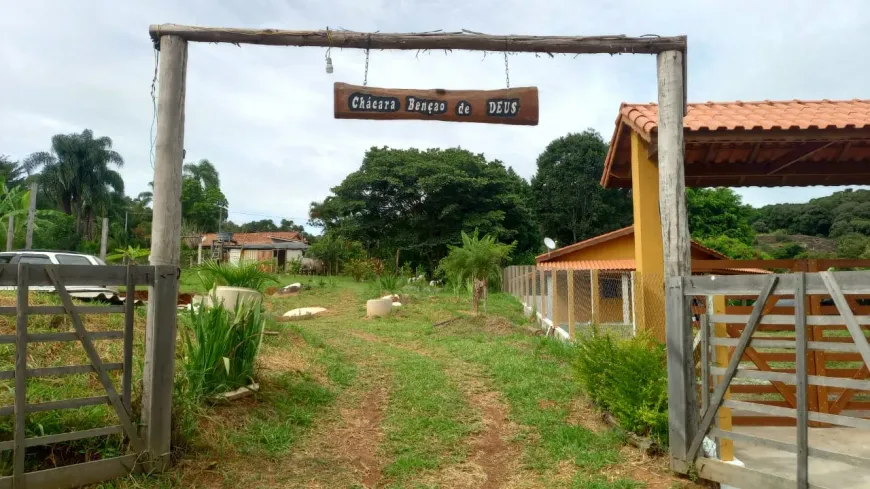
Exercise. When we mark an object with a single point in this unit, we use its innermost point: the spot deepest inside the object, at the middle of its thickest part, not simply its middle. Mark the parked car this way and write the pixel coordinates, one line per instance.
(46, 257)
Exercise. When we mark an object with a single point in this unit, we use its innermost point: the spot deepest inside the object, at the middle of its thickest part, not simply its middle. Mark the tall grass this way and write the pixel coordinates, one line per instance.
(220, 347)
(213, 273)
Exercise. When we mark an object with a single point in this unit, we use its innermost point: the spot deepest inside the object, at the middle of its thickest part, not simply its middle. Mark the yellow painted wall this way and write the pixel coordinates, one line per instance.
(621, 248)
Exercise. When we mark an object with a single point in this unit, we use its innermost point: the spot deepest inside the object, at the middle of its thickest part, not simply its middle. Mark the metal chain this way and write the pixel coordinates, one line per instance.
(368, 47)
(366, 76)
(507, 76)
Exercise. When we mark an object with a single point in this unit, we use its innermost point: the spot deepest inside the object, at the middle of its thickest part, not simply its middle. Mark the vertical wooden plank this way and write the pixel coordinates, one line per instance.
(159, 369)
(626, 310)
(129, 318)
(10, 233)
(20, 376)
(31, 215)
(800, 328)
(705, 361)
(524, 289)
(571, 303)
(157, 377)
(543, 280)
(681, 385)
(199, 253)
(818, 397)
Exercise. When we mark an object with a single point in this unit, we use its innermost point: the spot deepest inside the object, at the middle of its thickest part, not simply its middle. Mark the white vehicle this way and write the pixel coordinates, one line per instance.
(43, 257)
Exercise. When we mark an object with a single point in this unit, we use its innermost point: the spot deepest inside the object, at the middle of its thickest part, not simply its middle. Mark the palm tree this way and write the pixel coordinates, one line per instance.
(478, 260)
(204, 172)
(11, 172)
(77, 176)
(15, 202)
(145, 198)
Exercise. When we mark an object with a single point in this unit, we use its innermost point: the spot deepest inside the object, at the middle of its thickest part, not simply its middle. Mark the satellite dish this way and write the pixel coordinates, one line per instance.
(549, 243)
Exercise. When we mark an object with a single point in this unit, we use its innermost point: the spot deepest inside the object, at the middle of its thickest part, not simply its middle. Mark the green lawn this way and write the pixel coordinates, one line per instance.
(351, 402)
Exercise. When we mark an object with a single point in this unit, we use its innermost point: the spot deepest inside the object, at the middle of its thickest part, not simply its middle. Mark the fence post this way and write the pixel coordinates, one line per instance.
(800, 328)
(595, 297)
(555, 293)
(158, 374)
(682, 400)
(626, 311)
(543, 296)
(571, 303)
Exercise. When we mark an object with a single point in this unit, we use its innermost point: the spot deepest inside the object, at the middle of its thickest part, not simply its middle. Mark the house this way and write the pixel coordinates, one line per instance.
(278, 246)
(606, 287)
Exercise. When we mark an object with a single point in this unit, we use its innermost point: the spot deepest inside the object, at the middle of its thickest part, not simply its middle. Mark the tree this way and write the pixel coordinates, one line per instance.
(202, 202)
(11, 172)
(853, 245)
(203, 172)
(478, 260)
(414, 203)
(569, 202)
(333, 250)
(77, 176)
(733, 248)
(15, 202)
(258, 226)
(715, 212)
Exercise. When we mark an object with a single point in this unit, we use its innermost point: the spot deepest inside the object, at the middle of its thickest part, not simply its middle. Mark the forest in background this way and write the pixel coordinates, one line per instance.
(407, 206)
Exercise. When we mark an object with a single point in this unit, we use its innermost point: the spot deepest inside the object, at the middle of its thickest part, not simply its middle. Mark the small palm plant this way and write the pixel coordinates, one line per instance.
(130, 254)
(479, 261)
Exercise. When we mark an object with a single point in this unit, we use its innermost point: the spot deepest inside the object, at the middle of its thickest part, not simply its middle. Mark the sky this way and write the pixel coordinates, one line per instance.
(264, 115)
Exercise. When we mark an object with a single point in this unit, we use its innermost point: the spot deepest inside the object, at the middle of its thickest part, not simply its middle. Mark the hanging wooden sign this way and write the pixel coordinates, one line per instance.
(507, 106)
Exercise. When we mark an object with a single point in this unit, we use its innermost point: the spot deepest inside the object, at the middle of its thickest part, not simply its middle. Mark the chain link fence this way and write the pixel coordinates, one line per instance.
(617, 302)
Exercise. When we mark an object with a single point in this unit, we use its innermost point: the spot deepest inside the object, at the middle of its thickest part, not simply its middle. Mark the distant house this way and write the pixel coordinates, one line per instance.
(278, 247)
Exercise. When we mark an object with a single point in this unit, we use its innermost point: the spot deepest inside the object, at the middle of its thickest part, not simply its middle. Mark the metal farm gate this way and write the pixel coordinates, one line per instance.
(764, 336)
(23, 276)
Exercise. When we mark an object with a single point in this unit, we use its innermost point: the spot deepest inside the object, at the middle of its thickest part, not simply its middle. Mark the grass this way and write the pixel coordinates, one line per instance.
(308, 423)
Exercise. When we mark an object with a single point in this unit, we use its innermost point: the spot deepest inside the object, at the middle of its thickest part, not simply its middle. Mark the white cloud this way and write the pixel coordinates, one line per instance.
(263, 115)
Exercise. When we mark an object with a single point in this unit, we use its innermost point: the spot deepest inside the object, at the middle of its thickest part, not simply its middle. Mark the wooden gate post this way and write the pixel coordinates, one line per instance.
(159, 369)
(682, 401)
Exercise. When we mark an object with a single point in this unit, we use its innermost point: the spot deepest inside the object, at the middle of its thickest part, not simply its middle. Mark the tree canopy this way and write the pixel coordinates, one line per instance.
(418, 202)
(569, 202)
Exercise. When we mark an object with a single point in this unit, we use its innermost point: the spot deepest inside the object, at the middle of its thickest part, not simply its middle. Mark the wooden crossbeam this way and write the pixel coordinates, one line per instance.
(464, 40)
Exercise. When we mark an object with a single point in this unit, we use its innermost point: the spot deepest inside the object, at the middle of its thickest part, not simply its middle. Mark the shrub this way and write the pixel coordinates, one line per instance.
(389, 282)
(629, 379)
(220, 347)
(359, 269)
(249, 275)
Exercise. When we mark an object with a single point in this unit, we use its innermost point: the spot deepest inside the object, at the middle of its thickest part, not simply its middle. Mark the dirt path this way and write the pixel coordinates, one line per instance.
(362, 436)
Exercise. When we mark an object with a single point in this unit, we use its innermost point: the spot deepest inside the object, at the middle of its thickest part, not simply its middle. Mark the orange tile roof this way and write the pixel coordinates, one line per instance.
(766, 115)
(545, 257)
(589, 265)
(258, 238)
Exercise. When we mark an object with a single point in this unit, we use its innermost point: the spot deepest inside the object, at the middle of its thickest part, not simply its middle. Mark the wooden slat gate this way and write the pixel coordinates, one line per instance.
(59, 276)
(715, 382)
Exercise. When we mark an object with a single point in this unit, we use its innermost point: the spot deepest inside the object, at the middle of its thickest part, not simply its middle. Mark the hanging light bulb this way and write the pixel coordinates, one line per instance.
(328, 64)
